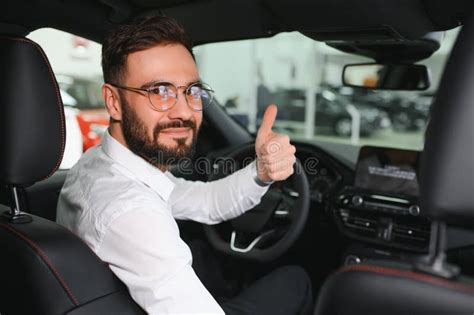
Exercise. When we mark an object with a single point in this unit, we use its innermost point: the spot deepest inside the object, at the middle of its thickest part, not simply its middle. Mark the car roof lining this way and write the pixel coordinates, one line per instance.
(214, 21)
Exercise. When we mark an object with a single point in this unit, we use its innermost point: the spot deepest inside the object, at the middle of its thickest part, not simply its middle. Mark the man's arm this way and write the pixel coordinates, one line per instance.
(216, 201)
(144, 250)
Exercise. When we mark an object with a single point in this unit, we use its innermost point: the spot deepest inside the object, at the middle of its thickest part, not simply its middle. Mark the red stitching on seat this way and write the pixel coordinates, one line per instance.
(58, 96)
(412, 275)
(46, 260)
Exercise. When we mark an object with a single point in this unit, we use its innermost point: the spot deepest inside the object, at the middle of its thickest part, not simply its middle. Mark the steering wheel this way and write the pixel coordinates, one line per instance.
(270, 228)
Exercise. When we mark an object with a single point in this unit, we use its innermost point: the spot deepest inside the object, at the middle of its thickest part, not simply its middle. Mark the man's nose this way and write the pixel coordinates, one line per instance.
(181, 110)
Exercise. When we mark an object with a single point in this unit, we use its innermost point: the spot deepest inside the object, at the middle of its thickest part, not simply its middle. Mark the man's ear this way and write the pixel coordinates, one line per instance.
(112, 101)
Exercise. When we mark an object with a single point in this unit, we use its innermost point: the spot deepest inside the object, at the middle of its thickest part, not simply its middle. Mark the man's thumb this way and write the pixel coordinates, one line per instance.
(268, 120)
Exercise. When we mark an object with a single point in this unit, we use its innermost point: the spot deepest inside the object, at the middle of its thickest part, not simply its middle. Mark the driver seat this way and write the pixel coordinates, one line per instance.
(431, 286)
(45, 268)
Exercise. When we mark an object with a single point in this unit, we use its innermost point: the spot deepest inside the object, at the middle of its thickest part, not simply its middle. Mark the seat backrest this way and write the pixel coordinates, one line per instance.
(42, 197)
(45, 268)
(384, 289)
(48, 270)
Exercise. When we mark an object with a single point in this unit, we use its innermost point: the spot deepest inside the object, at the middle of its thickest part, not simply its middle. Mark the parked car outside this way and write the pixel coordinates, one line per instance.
(92, 116)
(332, 115)
(407, 112)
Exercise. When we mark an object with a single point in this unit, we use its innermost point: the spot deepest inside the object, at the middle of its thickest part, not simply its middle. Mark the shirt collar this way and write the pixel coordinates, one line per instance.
(144, 171)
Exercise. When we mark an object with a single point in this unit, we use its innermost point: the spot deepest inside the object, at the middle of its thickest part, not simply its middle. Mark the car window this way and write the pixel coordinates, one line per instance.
(76, 64)
(303, 77)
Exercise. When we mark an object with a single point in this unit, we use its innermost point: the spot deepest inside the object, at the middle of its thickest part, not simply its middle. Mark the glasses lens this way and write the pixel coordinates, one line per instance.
(163, 96)
(199, 96)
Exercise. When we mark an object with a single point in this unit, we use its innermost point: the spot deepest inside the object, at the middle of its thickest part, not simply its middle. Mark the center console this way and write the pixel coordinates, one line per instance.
(381, 208)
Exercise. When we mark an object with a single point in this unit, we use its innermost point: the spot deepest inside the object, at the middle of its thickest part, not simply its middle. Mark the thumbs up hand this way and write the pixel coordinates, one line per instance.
(275, 154)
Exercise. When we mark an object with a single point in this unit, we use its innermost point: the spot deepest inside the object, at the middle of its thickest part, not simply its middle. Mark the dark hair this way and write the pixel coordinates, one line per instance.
(141, 34)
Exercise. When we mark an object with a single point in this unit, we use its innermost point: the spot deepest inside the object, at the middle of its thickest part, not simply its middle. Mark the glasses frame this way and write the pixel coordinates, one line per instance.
(150, 88)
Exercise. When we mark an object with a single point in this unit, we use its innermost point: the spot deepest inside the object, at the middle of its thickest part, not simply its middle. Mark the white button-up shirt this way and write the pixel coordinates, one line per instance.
(125, 209)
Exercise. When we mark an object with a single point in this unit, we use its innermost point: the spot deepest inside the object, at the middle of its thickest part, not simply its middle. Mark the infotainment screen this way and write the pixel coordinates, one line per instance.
(388, 170)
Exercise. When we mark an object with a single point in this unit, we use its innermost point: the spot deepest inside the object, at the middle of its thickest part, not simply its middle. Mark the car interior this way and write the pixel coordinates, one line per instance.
(401, 242)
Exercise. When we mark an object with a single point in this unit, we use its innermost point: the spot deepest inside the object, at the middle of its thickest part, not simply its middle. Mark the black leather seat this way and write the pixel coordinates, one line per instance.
(431, 286)
(45, 269)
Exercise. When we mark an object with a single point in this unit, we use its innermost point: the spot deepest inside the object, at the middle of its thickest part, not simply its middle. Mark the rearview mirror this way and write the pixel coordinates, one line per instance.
(387, 76)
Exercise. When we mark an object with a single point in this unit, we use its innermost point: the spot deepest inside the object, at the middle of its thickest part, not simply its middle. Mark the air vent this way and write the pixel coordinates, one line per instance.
(409, 234)
(362, 224)
(403, 232)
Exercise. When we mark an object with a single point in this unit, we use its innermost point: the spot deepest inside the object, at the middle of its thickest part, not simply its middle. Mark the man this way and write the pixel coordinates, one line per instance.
(123, 202)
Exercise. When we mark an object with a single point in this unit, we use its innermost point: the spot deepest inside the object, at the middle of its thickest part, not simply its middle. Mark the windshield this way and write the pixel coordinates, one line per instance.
(303, 77)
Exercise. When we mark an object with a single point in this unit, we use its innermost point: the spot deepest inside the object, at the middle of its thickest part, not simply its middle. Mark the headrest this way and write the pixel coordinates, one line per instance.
(447, 167)
(32, 129)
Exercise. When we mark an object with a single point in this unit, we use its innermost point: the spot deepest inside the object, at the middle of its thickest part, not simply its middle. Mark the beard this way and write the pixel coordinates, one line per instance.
(156, 153)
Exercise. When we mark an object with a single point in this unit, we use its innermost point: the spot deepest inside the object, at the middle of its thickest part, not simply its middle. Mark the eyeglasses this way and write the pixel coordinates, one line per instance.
(164, 95)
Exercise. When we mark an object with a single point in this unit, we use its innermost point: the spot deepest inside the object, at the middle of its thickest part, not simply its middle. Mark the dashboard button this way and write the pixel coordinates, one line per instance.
(352, 260)
(414, 210)
(357, 200)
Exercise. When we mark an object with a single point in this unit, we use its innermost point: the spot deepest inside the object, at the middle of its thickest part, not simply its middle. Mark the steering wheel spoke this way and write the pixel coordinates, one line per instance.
(252, 245)
(284, 208)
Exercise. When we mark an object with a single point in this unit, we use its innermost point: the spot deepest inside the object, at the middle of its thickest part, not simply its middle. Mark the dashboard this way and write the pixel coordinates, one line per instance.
(376, 202)
(374, 205)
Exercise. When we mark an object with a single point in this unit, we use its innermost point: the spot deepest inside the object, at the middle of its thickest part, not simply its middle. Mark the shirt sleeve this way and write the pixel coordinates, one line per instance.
(216, 201)
(144, 250)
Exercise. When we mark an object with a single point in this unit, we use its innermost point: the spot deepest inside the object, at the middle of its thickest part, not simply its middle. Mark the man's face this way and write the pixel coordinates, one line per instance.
(159, 137)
